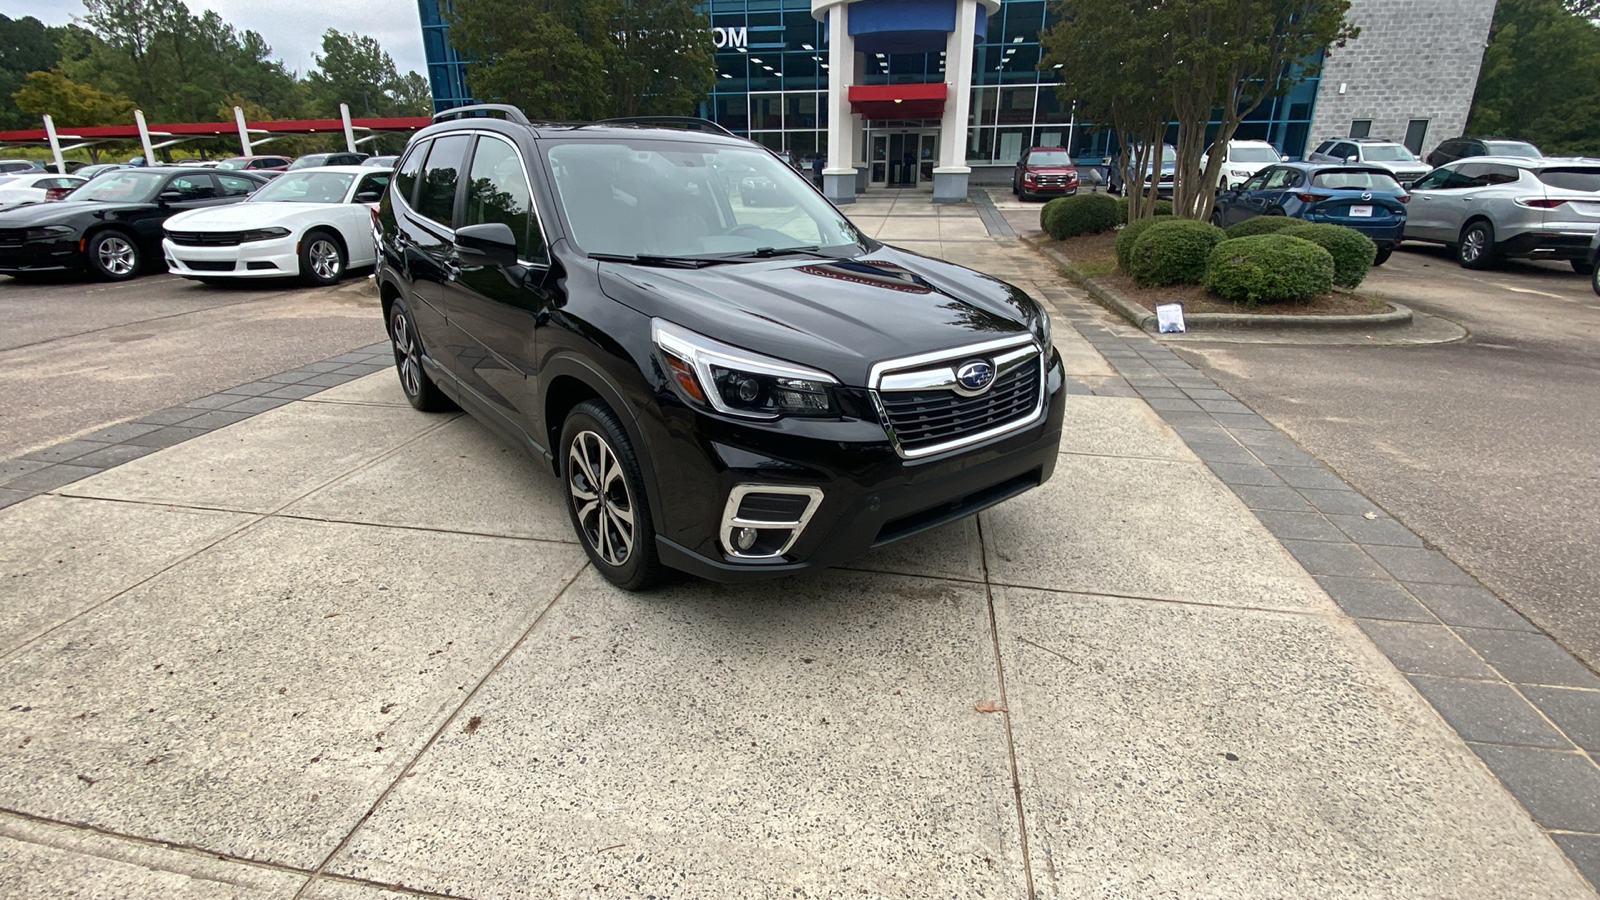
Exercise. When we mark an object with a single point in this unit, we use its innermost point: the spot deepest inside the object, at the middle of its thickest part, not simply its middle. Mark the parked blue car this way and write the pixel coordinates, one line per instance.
(1365, 198)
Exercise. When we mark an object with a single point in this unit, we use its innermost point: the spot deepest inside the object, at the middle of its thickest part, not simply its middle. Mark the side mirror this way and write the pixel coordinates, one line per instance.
(489, 244)
(1286, 157)
(169, 196)
(372, 197)
(1351, 159)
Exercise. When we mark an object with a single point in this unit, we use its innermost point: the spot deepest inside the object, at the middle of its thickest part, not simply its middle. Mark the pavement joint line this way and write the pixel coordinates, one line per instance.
(187, 312)
(1325, 505)
(448, 720)
(1005, 712)
(195, 850)
(1335, 613)
(428, 529)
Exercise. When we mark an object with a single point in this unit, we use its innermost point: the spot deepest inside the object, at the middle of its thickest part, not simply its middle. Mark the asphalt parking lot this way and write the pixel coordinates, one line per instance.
(339, 648)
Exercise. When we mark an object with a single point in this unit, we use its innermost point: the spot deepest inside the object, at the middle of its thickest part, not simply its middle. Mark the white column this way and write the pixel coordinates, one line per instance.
(839, 175)
(952, 187)
(244, 132)
(55, 145)
(349, 133)
(144, 139)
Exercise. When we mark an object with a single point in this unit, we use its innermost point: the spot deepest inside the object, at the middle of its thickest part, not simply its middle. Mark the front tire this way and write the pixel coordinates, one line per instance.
(114, 256)
(606, 498)
(321, 259)
(1216, 219)
(1476, 250)
(419, 389)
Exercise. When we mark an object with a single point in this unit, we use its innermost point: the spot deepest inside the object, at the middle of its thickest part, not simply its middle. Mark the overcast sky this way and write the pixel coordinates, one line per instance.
(293, 27)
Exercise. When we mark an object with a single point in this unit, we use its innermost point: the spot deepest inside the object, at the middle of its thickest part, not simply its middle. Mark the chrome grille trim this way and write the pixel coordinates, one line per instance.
(1020, 365)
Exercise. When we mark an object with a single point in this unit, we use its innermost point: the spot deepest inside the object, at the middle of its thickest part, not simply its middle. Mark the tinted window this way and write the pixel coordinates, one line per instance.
(436, 196)
(1343, 150)
(405, 178)
(1513, 148)
(497, 191)
(1280, 178)
(1572, 178)
(192, 187)
(1255, 181)
(234, 186)
(1443, 179)
(1493, 174)
(374, 183)
(1355, 180)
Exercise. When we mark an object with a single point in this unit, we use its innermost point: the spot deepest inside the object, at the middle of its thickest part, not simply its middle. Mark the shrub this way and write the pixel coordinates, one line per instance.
(1268, 268)
(1173, 251)
(1066, 217)
(1261, 225)
(1352, 251)
(1128, 235)
(1163, 208)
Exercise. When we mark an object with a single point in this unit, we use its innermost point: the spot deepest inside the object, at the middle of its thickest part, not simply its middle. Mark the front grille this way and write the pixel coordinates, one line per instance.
(1051, 179)
(205, 238)
(11, 237)
(201, 265)
(930, 418)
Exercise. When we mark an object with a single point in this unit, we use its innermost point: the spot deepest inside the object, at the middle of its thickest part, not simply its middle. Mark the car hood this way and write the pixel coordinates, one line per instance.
(1404, 168)
(36, 214)
(1051, 170)
(243, 216)
(839, 315)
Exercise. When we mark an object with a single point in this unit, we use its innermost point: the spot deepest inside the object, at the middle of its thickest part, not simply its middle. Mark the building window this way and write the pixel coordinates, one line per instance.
(1361, 128)
(1416, 133)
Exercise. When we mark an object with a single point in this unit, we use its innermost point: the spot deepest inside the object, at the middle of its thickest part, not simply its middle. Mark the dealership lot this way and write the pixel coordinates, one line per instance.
(339, 648)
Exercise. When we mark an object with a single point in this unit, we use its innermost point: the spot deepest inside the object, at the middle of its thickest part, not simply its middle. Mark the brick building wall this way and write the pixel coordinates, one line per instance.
(1415, 60)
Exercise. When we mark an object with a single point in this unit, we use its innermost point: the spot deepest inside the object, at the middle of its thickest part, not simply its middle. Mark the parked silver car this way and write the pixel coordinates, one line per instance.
(1488, 207)
(1373, 151)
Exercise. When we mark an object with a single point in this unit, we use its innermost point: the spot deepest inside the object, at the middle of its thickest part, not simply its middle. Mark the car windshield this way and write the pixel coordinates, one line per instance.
(1386, 153)
(1572, 178)
(1050, 158)
(306, 162)
(233, 163)
(122, 186)
(1355, 180)
(1253, 154)
(1513, 148)
(305, 187)
(669, 198)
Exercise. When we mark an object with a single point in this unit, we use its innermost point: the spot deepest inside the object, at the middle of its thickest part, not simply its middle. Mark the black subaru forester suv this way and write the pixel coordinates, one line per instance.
(729, 378)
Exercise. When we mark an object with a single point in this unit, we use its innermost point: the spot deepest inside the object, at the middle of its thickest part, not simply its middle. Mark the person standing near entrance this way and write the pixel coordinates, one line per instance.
(816, 168)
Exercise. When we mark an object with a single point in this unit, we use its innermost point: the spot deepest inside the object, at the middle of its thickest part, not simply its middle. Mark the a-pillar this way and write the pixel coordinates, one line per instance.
(839, 175)
(950, 176)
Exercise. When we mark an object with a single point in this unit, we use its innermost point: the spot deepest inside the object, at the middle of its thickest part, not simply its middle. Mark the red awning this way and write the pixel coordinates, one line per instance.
(898, 101)
(219, 129)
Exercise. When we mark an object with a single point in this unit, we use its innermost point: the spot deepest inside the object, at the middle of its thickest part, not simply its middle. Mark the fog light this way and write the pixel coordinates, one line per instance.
(745, 538)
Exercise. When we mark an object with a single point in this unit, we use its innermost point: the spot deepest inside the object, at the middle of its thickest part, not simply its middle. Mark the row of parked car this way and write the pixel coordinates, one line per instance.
(205, 224)
(1485, 198)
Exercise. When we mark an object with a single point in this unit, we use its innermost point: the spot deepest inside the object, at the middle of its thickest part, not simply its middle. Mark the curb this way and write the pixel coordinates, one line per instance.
(1145, 320)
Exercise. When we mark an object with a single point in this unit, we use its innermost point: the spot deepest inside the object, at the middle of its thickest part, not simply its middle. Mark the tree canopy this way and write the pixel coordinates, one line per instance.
(1540, 79)
(582, 61)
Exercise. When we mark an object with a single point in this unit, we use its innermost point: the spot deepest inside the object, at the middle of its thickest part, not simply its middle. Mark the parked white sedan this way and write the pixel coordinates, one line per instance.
(314, 224)
(35, 187)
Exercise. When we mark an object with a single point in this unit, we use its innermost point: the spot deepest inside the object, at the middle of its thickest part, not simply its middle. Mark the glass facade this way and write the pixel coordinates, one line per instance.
(772, 79)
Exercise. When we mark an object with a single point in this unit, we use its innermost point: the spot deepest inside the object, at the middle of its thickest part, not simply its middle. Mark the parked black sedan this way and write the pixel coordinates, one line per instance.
(111, 227)
(729, 388)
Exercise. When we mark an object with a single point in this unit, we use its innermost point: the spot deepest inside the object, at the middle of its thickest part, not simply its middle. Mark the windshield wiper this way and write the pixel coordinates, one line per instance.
(769, 252)
(646, 259)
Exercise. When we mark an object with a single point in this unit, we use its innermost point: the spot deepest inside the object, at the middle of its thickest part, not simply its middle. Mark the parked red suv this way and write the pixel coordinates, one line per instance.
(1044, 172)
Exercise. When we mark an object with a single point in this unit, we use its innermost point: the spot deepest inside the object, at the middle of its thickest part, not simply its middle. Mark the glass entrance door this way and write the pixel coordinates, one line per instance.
(902, 158)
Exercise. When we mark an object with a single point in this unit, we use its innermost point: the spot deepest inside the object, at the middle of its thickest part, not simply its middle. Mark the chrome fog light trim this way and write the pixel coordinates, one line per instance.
(740, 545)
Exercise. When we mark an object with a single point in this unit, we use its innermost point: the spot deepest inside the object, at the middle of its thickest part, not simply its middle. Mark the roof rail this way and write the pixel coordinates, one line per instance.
(688, 123)
(512, 114)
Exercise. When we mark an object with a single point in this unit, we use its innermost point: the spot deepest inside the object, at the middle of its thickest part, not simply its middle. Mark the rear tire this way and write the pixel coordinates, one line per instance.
(1476, 250)
(1594, 281)
(114, 255)
(606, 498)
(419, 389)
(1383, 255)
(1583, 267)
(1216, 219)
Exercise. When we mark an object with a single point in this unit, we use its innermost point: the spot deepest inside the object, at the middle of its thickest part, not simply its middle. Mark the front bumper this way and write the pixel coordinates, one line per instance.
(277, 258)
(40, 256)
(870, 496)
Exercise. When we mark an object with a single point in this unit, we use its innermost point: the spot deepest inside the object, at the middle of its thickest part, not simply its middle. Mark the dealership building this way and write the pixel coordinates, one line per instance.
(937, 94)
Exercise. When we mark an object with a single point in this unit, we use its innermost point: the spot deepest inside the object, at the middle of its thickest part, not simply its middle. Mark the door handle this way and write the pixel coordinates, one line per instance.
(452, 268)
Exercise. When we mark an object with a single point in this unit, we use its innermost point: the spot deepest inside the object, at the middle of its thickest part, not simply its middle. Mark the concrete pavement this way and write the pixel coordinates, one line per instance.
(340, 648)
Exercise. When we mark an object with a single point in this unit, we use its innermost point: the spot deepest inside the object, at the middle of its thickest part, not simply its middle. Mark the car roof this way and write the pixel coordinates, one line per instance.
(1314, 166)
(346, 170)
(1527, 163)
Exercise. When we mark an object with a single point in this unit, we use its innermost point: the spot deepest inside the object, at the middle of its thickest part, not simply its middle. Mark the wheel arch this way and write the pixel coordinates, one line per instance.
(333, 232)
(568, 381)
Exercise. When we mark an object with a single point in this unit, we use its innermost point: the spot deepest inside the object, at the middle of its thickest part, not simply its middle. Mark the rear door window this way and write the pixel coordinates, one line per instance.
(234, 186)
(1279, 178)
(436, 194)
(193, 187)
(1497, 174)
(407, 174)
(1572, 178)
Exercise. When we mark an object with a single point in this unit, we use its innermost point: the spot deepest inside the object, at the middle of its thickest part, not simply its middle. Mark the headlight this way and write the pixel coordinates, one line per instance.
(1239, 173)
(263, 234)
(738, 382)
(1044, 327)
(48, 232)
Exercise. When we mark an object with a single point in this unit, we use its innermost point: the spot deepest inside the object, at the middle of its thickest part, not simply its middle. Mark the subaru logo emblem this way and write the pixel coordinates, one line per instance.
(974, 377)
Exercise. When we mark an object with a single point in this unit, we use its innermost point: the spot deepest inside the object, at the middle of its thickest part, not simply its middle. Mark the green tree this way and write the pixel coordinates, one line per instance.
(26, 45)
(70, 103)
(578, 61)
(1540, 79)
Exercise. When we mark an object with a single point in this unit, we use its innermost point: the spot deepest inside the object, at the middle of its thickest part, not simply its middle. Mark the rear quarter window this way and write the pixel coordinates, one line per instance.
(405, 176)
(1575, 178)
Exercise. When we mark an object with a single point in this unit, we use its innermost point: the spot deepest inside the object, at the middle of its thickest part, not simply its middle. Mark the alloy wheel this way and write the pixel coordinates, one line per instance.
(600, 497)
(116, 256)
(406, 355)
(1472, 245)
(325, 263)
